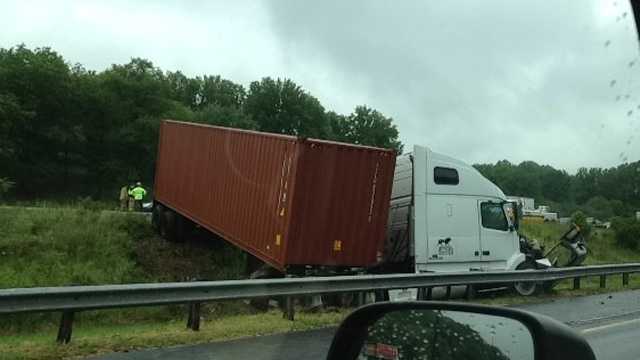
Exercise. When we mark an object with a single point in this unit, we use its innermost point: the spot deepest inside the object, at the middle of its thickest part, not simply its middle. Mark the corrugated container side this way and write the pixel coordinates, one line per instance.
(231, 182)
(284, 200)
(341, 204)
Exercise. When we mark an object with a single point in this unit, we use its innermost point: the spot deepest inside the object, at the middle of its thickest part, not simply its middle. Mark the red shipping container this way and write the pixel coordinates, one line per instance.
(286, 200)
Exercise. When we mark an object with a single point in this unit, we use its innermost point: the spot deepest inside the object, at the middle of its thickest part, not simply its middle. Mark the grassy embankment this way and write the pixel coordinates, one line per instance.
(63, 246)
(603, 249)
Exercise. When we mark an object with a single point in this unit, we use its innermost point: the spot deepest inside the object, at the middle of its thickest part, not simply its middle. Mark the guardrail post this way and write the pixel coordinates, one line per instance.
(382, 295)
(289, 310)
(603, 281)
(447, 296)
(193, 321)
(576, 283)
(66, 326)
(625, 279)
(422, 293)
(470, 293)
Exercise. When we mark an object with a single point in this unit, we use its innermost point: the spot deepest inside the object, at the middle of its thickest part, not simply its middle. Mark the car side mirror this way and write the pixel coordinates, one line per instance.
(447, 330)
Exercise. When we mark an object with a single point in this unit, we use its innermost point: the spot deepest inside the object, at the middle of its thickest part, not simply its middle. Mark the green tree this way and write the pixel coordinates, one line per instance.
(281, 106)
(366, 126)
(187, 91)
(221, 92)
(627, 232)
(5, 186)
(36, 87)
(224, 116)
(599, 207)
(338, 125)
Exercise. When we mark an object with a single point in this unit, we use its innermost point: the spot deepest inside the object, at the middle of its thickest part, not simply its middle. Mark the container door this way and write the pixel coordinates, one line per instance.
(453, 232)
(496, 237)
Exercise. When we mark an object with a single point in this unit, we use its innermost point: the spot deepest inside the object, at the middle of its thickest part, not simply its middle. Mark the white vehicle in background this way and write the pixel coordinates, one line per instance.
(446, 216)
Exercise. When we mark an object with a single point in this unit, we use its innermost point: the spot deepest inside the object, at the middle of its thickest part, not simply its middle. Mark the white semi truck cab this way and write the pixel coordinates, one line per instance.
(446, 216)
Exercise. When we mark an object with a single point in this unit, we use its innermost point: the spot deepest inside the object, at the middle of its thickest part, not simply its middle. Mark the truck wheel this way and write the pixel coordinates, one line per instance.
(156, 214)
(168, 225)
(548, 286)
(527, 288)
(182, 228)
(263, 272)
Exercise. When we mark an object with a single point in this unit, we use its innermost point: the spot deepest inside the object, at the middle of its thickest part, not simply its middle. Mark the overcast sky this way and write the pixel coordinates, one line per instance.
(477, 80)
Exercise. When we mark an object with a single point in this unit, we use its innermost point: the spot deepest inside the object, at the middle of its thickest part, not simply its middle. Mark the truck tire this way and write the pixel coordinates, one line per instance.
(263, 272)
(527, 288)
(156, 214)
(548, 286)
(183, 230)
(168, 225)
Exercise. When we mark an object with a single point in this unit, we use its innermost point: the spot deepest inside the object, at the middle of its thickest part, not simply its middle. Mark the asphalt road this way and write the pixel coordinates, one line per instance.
(610, 323)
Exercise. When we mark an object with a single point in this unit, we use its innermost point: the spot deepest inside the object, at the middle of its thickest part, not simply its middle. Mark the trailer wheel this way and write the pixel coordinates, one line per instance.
(182, 228)
(527, 288)
(156, 214)
(263, 272)
(168, 225)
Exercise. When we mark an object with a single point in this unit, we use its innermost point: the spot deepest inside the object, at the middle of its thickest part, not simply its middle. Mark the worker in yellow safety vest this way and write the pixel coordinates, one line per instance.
(138, 193)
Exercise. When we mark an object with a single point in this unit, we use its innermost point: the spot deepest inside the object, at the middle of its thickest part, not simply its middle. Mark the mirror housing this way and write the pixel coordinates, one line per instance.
(551, 339)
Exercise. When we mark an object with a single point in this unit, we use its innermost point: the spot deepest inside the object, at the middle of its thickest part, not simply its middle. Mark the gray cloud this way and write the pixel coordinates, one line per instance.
(479, 80)
(482, 80)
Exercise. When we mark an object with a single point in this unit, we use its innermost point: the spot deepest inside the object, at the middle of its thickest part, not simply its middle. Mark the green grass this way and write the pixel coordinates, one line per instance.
(602, 250)
(76, 246)
(90, 339)
(65, 246)
(602, 246)
(53, 246)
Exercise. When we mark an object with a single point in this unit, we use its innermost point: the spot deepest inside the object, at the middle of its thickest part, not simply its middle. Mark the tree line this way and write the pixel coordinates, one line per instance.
(599, 192)
(66, 131)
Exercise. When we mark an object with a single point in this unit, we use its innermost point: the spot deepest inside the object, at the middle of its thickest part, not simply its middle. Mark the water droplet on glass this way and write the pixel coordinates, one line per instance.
(612, 83)
(607, 43)
(602, 126)
(618, 97)
(624, 14)
(627, 96)
(631, 63)
(629, 112)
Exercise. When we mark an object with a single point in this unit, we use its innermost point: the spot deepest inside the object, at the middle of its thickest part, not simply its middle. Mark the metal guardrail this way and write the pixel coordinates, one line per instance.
(70, 299)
